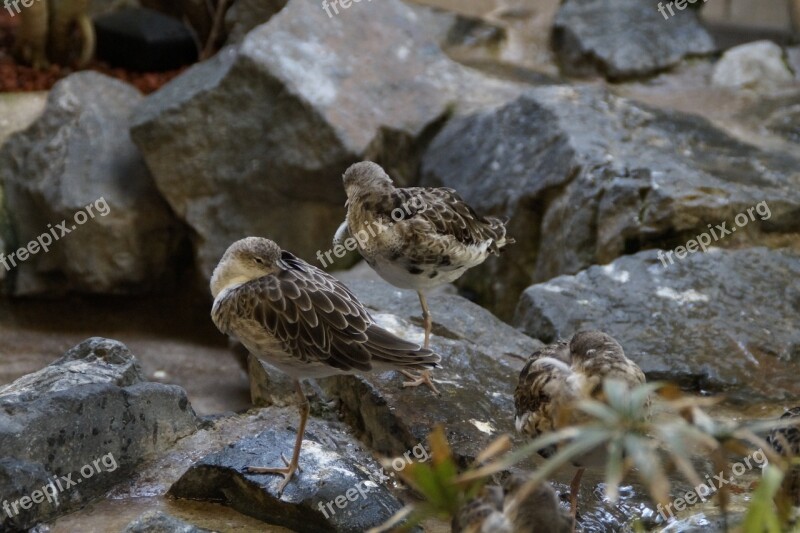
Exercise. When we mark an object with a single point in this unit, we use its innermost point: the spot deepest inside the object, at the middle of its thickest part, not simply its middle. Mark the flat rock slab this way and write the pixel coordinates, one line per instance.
(337, 490)
(725, 320)
(481, 358)
(625, 38)
(85, 422)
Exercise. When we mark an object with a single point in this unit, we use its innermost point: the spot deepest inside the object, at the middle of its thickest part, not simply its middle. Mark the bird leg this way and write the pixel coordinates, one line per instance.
(574, 488)
(294, 464)
(426, 318)
(424, 377)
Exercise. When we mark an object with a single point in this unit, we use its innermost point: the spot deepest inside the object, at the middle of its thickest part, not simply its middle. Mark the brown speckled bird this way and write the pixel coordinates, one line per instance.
(502, 510)
(302, 321)
(416, 238)
(786, 441)
(560, 374)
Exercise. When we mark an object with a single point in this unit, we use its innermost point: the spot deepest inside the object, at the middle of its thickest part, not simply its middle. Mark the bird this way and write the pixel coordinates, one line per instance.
(565, 372)
(502, 509)
(786, 441)
(415, 238)
(303, 321)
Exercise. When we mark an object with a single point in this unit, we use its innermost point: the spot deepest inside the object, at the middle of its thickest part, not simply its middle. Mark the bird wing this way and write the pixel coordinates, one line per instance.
(443, 211)
(544, 390)
(316, 318)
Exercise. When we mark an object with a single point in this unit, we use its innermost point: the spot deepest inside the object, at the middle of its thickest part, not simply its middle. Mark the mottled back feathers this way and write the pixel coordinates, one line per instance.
(304, 314)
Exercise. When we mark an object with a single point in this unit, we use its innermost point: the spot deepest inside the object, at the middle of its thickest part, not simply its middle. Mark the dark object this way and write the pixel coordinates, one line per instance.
(144, 40)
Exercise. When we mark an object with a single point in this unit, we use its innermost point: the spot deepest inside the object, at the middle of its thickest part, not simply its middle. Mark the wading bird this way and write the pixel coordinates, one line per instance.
(415, 238)
(302, 321)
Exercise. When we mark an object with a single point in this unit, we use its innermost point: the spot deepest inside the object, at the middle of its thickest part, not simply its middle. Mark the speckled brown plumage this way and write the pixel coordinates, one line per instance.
(303, 321)
(300, 319)
(415, 238)
(501, 510)
(786, 441)
(565, 372)
(561, 374)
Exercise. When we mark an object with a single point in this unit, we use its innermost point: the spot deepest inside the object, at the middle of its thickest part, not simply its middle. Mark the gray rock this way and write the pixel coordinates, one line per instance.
(88, 417)
(17, 112)
(479, 353)
(585, 177)
(308, 96)
(333, 471)
(159, 522)
(758, 66)
(268, 385)
(77, 164)
(722, 321)
(793, 60)
(624, 38)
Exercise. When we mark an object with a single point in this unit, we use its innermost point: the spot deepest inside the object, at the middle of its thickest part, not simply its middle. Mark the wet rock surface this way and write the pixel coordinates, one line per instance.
(76, 153)
(339, 488)
(721, 321)
(89, 418)
(481, 358)
(159, 522)
(585, 177)
(624, 38)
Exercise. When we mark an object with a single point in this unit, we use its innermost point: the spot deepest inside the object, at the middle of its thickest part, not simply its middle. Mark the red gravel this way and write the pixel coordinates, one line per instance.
(20, 78)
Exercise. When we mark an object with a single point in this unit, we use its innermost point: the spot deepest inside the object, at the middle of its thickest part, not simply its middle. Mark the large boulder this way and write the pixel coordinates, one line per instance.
(586, 176)
(74, 429)
(720, 321)
(84, 212)
(255, 141)
(625, 38)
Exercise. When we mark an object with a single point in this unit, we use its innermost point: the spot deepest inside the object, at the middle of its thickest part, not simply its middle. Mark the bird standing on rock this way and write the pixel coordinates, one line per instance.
(561, 374)
(302, 321)
(416, 238)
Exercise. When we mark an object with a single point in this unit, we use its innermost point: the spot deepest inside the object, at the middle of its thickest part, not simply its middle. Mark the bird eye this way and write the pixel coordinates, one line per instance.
(258, 260)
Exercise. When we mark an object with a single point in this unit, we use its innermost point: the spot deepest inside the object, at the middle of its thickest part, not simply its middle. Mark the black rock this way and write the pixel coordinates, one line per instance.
(144, 40)
(336, 490)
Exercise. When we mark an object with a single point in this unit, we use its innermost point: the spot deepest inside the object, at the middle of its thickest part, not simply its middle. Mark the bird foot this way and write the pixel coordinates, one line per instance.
(287, 472)
(424, 378)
